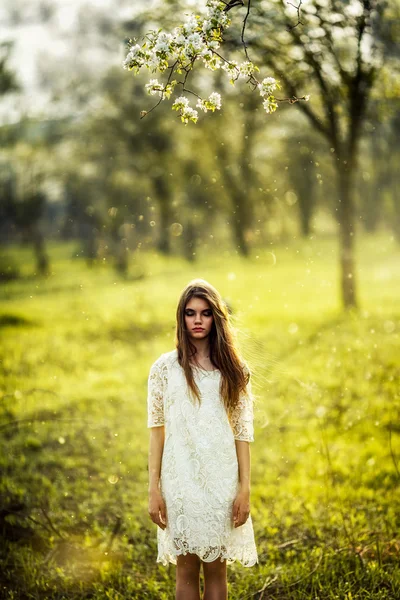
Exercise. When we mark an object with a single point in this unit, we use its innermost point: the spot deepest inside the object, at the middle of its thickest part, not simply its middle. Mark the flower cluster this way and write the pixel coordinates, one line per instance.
(186, 112)
(198, 39)
(267, 86)
(213, 103)
(266, 89)
(164, 91)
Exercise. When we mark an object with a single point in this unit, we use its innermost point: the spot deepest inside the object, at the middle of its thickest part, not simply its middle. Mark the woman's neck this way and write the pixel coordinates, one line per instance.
(202, 347)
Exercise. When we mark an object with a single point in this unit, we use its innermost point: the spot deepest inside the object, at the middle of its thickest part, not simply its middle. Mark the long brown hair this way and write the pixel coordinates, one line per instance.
(224, 354)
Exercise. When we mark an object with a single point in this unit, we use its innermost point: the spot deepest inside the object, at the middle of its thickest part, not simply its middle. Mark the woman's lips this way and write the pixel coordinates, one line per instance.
(198, 329)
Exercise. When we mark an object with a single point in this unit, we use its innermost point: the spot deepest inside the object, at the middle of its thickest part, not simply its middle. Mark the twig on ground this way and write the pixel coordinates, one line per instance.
(392, 454)
(114, 533)
(49, 521)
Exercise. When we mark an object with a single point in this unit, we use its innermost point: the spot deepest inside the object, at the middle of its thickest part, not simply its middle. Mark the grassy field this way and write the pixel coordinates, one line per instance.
(75, 352)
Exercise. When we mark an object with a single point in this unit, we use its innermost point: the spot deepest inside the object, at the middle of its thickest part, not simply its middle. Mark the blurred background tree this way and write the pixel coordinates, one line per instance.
(239, 179)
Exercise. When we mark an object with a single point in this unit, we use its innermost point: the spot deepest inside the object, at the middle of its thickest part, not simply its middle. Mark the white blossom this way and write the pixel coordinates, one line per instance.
(231, 67)
(215, 100)
(179, 38)
(163, 42)
(161, 47)
(267, 86)
(153, 87)
(213, 103)
(198, 38)
(269, 105)
(214, 44)
(246, 68)
(194, 44)
(207, 26)
(201, 104)
(190, 26)
(196, 41)
(180, 103)
(188, 114)
(134, 58)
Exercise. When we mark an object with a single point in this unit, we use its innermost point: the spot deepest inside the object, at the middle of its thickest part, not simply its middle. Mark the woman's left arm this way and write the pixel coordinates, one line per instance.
(241, 505)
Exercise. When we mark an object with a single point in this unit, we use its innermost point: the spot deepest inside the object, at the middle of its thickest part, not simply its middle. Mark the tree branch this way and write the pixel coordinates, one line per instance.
(244, 28)
(290, 27)
(326, 91)
(345, 75)
(146, 112)
(232, 4)
(310, 114)
(361, 82)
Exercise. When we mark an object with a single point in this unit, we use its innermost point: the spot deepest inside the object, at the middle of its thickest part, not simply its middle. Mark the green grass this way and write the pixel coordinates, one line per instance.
(75, 352)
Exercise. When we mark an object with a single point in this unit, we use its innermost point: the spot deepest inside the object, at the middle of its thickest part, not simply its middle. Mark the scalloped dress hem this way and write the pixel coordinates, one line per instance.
(168, 558)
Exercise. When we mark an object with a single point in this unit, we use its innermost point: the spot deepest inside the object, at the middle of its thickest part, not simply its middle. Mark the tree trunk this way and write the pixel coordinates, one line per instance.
(39, 248)
(394, 188)
(347, 235)
(303, 182)
(239, 183)
(240, 221)
(305, 216)
(242, 213)
(190, 241)
(122, 260)
(163, 196)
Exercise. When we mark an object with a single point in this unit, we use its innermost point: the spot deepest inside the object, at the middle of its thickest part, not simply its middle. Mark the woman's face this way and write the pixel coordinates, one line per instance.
(198, 318)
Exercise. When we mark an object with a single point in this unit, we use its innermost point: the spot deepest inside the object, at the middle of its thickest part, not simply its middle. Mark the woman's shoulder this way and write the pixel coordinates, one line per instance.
(166, 359)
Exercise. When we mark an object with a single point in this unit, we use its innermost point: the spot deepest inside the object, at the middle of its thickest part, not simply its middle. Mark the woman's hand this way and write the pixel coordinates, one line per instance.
(157, 509)
(241, 508)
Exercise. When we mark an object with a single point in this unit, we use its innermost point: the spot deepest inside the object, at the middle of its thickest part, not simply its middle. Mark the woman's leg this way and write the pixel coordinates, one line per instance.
(188, 577)
(215, 582)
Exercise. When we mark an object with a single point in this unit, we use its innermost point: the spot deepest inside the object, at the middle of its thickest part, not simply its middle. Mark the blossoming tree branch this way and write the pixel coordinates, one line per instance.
(199, 39)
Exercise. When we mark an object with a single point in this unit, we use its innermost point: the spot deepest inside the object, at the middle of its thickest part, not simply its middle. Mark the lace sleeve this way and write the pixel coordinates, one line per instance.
(155, 395)
(242, 418)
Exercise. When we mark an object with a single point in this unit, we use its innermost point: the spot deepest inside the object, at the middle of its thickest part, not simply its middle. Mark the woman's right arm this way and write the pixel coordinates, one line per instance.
(157, 508)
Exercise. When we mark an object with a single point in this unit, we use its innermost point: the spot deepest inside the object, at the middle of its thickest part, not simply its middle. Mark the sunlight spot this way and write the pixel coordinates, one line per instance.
(389, 326)
(176, 229)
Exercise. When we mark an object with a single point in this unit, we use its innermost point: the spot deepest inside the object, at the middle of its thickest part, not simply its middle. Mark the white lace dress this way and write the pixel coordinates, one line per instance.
(199, 470)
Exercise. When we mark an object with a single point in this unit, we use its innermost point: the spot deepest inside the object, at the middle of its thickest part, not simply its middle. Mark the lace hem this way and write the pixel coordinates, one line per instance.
(244, 555)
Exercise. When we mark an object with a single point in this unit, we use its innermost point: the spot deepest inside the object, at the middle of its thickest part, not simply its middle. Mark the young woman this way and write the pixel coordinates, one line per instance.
(200, 415)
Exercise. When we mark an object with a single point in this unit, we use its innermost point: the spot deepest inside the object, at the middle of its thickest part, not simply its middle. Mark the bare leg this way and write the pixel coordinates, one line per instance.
(215, 582)
(187, 577)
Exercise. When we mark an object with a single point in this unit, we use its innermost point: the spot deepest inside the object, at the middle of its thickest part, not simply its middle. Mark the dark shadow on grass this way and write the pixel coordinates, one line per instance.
(8, 320)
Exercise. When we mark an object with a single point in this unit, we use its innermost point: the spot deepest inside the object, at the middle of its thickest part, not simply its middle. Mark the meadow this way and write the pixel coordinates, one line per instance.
(75, 352)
